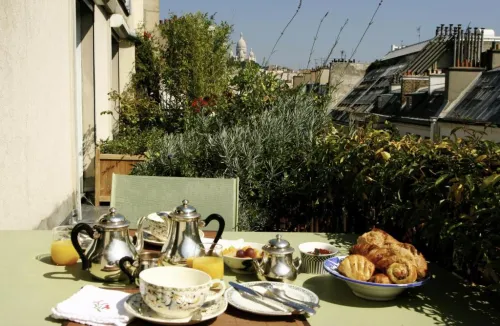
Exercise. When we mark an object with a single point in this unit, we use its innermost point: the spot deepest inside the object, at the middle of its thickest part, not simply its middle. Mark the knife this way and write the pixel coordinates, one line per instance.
(270, 295)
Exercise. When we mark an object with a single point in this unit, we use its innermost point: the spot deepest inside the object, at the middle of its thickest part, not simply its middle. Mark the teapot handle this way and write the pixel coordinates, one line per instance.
(222, 225)
(86, 263)
(124, 268)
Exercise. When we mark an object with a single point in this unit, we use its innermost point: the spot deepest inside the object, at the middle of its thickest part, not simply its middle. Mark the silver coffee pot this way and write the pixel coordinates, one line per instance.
(277, 262)
(111, 242)
(183, 238)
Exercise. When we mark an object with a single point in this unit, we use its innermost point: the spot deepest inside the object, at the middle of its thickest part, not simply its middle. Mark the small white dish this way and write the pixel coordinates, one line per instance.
(313, 264)
(268, 307)
(242, 265)
(369, 290)
(137, 308)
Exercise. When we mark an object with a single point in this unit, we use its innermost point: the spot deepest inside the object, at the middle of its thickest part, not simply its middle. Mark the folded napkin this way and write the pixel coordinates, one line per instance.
(94, 306)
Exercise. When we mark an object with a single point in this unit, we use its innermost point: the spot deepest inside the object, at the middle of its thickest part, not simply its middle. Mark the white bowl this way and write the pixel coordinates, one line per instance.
(369, 290)
(313, 264)
(242, 265)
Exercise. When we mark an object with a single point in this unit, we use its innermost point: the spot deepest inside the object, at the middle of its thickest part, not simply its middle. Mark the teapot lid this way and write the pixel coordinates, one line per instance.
(278, 246)
(185, 211)
(113, 220)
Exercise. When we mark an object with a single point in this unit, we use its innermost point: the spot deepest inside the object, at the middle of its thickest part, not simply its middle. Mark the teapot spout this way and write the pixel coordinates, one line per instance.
(139, 245)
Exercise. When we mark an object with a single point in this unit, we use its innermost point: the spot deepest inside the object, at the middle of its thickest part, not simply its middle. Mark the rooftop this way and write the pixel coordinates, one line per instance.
(481, 102)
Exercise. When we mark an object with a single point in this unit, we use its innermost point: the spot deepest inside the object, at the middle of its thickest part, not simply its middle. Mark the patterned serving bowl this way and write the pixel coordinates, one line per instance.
(311, 263)
(369, 290)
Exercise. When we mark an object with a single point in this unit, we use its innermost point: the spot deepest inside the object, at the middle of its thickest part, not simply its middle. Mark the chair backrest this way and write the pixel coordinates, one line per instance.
(135, 196)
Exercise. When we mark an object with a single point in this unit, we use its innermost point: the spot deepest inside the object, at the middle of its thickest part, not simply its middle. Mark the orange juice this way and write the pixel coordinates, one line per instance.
(189, 262)
(213, 266)
(63, 252)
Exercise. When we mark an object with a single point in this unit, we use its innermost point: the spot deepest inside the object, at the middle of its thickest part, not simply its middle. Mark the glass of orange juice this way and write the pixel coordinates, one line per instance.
(62, 251)
(210, 260)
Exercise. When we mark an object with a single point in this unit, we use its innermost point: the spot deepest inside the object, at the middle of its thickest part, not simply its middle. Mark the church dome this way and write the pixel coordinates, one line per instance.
(242, 44)
(241, 49)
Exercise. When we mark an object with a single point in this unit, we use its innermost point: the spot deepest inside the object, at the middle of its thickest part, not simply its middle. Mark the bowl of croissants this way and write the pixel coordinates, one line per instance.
(379, 267)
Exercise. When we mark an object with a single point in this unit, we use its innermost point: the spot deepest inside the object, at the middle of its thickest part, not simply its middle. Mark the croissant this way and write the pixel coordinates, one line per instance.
(357, 267)
(362, 249)
(376, 237)
(380, 278)
(373, 238)
(421, 266)
(402, 273)
(376, 255)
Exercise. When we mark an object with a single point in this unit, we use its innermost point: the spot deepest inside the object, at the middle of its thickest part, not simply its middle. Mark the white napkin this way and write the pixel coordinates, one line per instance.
(94, 306)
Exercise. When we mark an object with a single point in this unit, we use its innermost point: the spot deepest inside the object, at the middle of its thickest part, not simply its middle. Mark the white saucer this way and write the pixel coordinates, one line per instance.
(268, 307)
(152, 240)
(135, 306)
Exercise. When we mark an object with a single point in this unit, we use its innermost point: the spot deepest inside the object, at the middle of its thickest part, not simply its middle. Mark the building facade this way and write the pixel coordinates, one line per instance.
(432, 87)
(59, 60)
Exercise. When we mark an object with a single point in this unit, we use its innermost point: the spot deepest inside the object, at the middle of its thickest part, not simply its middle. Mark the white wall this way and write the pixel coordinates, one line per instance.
(422, 131)
(492, 134)
(37, 140)
(103, 67)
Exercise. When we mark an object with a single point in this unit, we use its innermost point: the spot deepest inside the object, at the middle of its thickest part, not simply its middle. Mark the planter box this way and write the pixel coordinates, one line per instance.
(105, 166)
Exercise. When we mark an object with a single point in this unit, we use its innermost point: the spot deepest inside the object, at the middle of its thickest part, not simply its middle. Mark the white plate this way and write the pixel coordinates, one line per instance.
(152, 240)
(270, 307)
(135, 306)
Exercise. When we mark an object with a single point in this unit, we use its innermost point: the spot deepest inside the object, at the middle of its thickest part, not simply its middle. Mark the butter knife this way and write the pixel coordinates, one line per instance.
(272, 296)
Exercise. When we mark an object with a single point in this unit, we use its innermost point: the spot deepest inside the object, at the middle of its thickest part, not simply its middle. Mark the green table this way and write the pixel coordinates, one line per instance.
(30, 286)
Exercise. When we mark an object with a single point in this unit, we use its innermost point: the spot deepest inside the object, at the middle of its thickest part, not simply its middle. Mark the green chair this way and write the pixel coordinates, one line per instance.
(135, 196)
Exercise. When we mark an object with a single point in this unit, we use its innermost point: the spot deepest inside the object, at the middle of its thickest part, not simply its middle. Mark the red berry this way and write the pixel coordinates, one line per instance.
(240, 254)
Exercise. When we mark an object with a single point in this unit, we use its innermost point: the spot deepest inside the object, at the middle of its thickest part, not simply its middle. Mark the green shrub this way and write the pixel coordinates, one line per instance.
(295, 168)
(132, 143)
(269, 155)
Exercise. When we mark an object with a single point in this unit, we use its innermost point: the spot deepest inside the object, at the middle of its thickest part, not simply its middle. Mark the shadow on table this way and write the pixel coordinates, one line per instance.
(443, 298)
(75, 273)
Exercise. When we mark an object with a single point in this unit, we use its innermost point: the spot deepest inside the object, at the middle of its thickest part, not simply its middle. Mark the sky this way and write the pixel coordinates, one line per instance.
(262, 21)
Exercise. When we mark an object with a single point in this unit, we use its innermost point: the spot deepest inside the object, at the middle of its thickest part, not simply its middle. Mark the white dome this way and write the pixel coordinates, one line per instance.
(489, 33)
(241, 49)
(242, 44)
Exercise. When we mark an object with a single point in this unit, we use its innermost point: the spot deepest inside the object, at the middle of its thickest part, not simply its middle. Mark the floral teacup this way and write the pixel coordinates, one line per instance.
(177, 292)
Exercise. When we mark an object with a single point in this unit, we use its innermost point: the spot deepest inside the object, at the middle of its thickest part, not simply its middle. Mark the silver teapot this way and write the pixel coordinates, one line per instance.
(183, 239)
(277, 262)
(111, 242)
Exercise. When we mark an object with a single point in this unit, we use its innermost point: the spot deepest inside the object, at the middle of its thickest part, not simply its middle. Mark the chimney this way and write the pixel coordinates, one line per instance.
(441, 30)
(455, 47)
(437, 30)
(458, 78)
(493, 58)
(460, 46)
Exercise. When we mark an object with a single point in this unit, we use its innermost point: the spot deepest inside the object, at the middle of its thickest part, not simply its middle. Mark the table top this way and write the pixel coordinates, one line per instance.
(31, 285)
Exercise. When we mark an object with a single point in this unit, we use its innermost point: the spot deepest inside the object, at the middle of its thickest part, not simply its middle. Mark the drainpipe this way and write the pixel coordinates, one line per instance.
(434, 136)
(76, 215)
